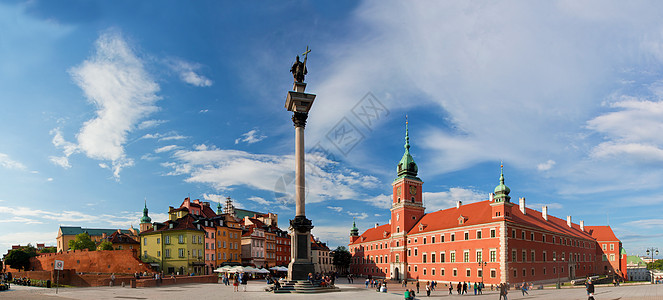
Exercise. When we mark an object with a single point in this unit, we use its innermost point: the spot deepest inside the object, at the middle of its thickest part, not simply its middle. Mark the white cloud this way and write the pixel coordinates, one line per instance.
(8, 163)
(250, 137)
(202, 111)
(226, 169)
(115, 81)
(188, 73)
(166, 148)
(359, 216)
(380, 201)
(546, 165)
(646, 224)
(435, 201)
(259, 200)
(170, 136)
(49, 179)
(335, 208)
(150, 124)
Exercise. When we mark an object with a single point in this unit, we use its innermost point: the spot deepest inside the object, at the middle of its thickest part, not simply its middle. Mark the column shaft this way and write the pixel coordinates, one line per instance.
(300, 172)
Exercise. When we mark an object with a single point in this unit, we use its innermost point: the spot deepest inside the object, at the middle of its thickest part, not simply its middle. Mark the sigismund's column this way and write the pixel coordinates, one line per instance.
(300, 103)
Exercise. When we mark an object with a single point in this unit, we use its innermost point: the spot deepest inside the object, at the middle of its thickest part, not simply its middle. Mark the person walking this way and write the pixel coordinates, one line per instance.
(451, 288)
(523, 288)
(503, 291)
(481, 288)
(590, 290)
(428, 289)
(112, 279)
(459, 288)
(464, 287)
(417, 286)
(245, 281)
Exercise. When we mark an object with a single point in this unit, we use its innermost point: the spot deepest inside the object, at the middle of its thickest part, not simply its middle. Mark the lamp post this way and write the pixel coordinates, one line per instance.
(558, 271)
(482, 264)
(652, 250)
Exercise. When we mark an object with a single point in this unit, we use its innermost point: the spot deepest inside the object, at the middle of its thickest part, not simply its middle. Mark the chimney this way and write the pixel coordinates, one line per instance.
(544, 212)
(491, 196)
(568, 221)
(376, 225)
(582, 225)
(458, 204)
(389, 221)
(522, 206)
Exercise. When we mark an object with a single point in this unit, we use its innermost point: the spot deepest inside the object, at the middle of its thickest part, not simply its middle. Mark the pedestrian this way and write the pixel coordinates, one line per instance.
(245, 281)
(451, 288)
(464, 287)
(428, 289)
(459, 288)
(112, 279)
(590, 290)
(417, 286)
(367, 282)
(523, 288)
(481, 288)
(503, 291)
(412, 294)
(235, 283)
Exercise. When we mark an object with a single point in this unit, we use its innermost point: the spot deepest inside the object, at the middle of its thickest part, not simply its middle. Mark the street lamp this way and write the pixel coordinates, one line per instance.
(482, 264)
(558, 271)
(652, 250)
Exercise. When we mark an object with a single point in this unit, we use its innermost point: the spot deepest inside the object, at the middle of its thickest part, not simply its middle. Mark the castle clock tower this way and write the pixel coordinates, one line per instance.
(406, 209)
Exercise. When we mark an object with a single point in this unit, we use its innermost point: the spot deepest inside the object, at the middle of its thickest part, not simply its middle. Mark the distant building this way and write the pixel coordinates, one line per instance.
(636, 269)
(321, 256)
(68, 233)
(491, 241)
(122, 241)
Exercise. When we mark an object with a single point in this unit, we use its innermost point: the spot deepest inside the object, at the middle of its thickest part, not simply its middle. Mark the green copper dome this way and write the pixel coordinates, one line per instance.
(354, 231)
(219, 209)
(145, 218)
(407, 167)
(502, 191)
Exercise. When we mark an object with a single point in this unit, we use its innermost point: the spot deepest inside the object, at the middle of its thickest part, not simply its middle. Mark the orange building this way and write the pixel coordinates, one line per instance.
(491, 241)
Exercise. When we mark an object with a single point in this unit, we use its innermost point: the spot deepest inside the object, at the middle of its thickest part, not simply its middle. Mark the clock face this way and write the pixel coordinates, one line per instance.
(398, 191)
(413, 190)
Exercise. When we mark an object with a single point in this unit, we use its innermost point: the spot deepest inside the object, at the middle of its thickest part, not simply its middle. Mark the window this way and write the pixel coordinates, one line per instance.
(493, 255)
(466, 256)
(468, 272)
(604, 247)
(432, 241)
(144, 241)
(545, 256)
(493, 273)
(492, 233)
(432, 271)
(524, 272)
(416, 251)
(524, 256)
(397, 258)
(533, 257)
(409, 252)
(513, 234)
(467, 236)
(531, 236)
(415, 268)
(441, 238)
(514, 256)
(453, 257)
(522, 234)
(424, 241)
(432, 258)
(398, 229)
(455, 273)
(532, 271)
(158, 240)
(180, 251)
(612, 257)
(478, 234)
(424, 271)
(442, 257)
(479, 273)
(453, 237)
(544, 270)
(442, 272)
(515, 273)
(612, 247)
(423, 258)
(167, 253)
(479, 255)
(181, 239)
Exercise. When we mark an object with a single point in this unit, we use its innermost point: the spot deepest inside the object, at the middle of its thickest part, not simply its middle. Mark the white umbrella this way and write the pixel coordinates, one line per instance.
(250, 270)
(236, 269)
(274, 268)
(283, 269)
(222, 269)
(262, 271)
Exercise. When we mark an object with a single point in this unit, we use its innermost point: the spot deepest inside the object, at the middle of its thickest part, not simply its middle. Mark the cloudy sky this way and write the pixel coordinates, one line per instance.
(106, 104)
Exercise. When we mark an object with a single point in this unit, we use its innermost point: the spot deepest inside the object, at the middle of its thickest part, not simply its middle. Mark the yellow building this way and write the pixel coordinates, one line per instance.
(228, 242)
(176, 246)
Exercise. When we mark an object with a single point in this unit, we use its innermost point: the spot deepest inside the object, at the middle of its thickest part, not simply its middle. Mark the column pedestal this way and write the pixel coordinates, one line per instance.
(300, 248)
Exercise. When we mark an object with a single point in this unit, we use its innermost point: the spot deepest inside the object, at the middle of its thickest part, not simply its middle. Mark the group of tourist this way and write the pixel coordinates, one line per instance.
(462, 287)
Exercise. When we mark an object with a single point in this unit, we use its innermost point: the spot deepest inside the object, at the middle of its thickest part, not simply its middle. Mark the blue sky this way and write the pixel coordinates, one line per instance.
(105, 104)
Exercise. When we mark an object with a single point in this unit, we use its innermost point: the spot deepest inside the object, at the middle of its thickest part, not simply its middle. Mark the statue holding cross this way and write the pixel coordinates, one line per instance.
(298, 69)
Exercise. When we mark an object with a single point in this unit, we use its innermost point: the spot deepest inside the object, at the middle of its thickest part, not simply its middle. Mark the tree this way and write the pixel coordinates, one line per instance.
(656, 265)
(105, 245)
(342, 259)
(82, 241)
(18, 259)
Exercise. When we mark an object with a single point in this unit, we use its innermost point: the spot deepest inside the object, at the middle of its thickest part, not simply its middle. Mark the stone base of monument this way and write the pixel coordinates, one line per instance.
(304, 287)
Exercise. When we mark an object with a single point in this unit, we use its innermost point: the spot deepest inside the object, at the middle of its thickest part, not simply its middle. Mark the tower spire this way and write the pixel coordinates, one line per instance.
(502, 191)
(407, 136)
(407, 167)
(354, 231)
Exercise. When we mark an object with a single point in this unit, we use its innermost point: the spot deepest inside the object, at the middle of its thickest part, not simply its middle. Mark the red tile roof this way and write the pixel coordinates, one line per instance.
(183, 223)
(601, 233)
(374, 234)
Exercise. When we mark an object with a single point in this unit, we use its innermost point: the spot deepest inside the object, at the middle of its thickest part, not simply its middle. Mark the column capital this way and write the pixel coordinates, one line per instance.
(299, 119)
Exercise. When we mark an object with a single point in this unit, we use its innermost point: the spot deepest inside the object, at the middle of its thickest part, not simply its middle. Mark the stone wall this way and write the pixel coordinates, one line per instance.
(83, 261)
